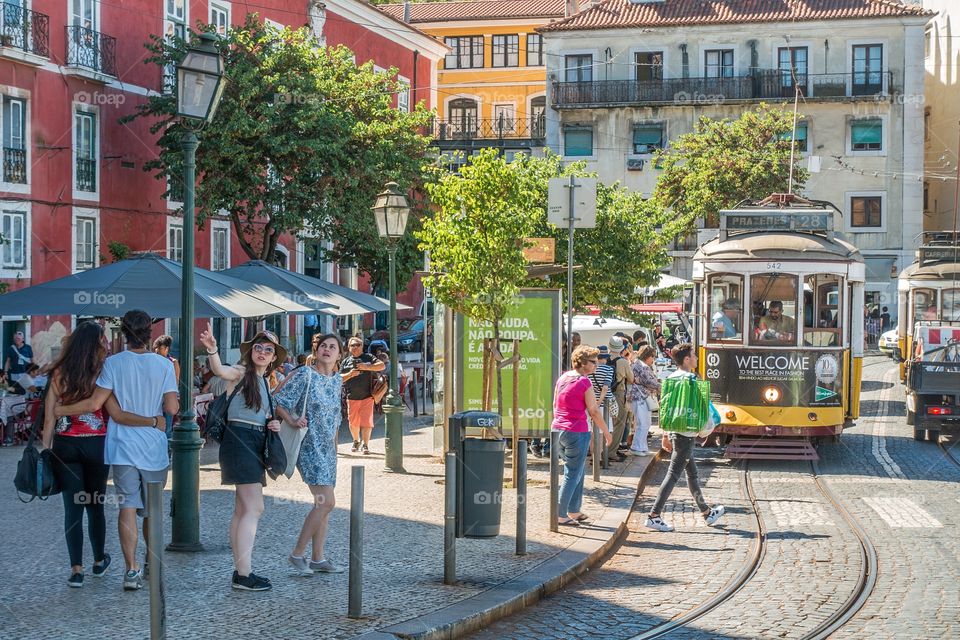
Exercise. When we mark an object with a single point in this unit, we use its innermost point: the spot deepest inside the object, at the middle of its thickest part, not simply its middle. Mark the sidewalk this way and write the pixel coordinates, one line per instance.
(404, 594)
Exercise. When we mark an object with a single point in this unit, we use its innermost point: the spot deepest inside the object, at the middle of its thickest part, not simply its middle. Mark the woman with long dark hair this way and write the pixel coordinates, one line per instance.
(249, 415)
(77, 444)
(310, 399)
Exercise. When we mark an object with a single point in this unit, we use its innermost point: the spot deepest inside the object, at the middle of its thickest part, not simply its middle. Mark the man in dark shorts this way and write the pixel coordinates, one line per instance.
(357, 370)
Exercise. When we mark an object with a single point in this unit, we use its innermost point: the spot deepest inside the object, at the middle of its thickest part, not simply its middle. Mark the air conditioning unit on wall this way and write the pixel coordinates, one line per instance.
(635, 164)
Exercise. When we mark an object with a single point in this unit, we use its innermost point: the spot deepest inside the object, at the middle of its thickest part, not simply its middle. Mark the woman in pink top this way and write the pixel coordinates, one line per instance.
(573, 400)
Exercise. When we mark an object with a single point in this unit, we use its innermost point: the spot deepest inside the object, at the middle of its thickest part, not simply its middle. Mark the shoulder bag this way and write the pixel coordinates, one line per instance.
(274, 457)
(291, 435)
(34, 471)
(216, 418)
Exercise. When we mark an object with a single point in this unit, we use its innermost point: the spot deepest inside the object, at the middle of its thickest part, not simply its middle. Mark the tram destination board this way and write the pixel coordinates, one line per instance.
(792, 221)
(808, 378)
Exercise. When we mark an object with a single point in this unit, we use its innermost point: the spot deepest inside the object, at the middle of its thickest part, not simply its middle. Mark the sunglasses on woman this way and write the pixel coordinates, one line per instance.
(263, 348)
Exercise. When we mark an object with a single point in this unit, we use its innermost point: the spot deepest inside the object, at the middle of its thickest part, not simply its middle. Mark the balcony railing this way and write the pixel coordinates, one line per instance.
(767, 84)
(86, 175)
(92, 50)
(14, 165)
(492, 129)
(24, 29)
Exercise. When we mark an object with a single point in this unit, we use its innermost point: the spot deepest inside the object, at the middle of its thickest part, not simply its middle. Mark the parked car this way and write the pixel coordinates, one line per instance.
(412, 338)
(888, 342)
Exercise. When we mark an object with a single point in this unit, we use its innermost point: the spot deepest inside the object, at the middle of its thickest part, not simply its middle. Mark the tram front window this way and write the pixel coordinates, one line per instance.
(821, 311)
(924, 305)
(951, 305)
(726, 312)
(773, 305)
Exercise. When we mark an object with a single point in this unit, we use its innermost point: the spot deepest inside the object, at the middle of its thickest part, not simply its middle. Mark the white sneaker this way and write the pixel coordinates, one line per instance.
(657, 524)
(714, 515)
(639, 453)
(300, 564)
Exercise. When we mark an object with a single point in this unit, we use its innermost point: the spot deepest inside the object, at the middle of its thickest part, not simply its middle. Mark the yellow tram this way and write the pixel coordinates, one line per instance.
(779, 307)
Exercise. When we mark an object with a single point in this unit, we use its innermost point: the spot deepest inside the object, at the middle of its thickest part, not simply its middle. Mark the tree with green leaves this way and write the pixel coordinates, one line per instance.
(723, 162)
(303, 140)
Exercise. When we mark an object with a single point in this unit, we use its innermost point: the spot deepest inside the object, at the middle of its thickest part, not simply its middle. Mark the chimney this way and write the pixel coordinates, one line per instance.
(406, 12)
(571, 7)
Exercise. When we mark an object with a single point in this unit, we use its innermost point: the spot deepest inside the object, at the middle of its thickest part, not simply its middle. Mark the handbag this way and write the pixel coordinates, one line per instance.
(274, 457)
(291, 436)
(35, 475)
(216, 419)
(378, 389)
(652, 403)
(685, 405)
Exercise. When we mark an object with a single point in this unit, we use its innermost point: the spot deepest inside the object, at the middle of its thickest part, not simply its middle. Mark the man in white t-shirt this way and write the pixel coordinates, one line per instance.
(143, 383)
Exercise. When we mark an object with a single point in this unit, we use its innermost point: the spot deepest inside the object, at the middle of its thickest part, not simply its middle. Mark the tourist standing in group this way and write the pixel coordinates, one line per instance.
(573, 399)
(357, 371)
(622, 378)
(19, 357)
(645, 385)
(249, 414)
(144, 384)
(77, 442)
(310, 399)
(682, 456)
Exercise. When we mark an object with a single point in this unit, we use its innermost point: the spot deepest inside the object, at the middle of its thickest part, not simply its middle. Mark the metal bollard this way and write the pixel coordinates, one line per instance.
(597, 444)
(355, 580)
(450, 520)
(158, 606)
(606, 421)
(522, 501)
(554, 479)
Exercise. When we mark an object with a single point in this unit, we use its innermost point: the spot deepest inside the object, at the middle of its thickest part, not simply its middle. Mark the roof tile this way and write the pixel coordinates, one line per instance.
(616, 14)
(477, 10)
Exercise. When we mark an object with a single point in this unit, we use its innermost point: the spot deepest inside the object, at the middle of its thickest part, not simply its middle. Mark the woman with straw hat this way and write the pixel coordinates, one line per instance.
(249, 415)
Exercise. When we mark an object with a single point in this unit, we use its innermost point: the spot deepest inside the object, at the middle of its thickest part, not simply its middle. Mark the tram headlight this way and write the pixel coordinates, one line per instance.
(772, 395)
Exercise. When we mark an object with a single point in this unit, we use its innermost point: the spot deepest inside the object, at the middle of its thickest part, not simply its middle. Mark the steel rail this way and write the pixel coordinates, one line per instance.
(952, 457)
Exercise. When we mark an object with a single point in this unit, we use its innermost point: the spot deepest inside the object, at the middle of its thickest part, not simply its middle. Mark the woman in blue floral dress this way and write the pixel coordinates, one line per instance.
(319, 385)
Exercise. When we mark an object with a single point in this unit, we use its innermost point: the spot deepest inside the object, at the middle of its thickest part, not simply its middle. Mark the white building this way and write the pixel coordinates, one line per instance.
(942, 114)
(626, 76)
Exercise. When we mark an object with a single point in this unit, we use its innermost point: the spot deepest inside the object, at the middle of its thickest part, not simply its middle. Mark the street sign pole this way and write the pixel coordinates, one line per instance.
(571, 218)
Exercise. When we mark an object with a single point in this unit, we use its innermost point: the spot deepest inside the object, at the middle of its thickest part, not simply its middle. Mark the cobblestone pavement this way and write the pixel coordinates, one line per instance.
(403, 562)
(903, 493)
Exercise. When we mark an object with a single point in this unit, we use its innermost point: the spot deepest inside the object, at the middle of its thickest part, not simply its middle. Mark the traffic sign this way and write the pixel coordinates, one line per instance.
(584, 202)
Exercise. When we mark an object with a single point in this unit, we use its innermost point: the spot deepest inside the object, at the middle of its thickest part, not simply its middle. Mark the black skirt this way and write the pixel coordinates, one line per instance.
(241, 455)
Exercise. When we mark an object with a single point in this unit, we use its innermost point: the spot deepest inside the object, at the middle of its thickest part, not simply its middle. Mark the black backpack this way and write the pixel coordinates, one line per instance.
(216, 419)
(616, 382)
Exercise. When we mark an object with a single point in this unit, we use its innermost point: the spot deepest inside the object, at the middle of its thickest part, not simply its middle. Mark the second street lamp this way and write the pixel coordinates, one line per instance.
(199, 87)
(391, 211)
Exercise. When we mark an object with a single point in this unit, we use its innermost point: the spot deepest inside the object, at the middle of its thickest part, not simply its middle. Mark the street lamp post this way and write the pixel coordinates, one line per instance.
(199, 87)
(391, 212)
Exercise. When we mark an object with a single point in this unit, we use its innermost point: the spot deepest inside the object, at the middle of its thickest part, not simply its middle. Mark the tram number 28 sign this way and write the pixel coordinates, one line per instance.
(807, 378)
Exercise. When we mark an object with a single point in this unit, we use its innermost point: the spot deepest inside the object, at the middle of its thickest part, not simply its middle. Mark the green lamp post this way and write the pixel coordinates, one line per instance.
(199, 87)
(391, 212)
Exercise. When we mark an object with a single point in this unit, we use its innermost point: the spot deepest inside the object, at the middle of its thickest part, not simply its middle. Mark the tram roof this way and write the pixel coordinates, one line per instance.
(941, 271)
(782, 245)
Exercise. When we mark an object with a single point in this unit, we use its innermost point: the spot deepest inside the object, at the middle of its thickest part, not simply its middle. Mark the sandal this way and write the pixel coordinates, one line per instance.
(569, 522)
(582, 517)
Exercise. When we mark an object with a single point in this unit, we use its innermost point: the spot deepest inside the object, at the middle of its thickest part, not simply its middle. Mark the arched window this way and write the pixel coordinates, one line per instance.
(462, 114)
(538, 117)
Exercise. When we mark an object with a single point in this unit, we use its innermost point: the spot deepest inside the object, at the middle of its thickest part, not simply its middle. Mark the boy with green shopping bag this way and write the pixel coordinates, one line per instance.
(686, 414)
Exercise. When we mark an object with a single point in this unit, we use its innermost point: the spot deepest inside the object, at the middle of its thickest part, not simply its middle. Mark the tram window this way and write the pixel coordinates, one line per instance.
(821, 311)
(924, 305)
(726, 312)
(773, 308)
(951, 305)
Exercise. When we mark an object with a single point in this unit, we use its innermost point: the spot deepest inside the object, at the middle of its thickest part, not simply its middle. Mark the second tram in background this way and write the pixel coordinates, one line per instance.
(780, 326)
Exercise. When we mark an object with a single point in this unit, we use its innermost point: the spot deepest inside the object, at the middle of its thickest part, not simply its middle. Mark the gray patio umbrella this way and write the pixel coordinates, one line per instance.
(308, 291)
(146, 282)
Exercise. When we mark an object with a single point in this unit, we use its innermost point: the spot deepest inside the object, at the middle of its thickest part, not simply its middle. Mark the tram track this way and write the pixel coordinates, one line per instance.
(950, 455)
(865, 583)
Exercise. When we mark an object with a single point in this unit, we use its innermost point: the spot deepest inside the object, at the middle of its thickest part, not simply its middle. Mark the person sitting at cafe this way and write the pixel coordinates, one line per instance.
(27, 383)
(723, 322)
(775, 326)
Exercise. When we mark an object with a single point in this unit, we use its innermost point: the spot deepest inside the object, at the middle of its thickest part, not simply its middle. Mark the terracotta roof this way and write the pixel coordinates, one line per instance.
(477, 10)
(616, 14)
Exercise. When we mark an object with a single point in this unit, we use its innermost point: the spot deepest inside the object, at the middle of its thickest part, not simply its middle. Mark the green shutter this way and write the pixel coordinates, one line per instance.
(578, 142)
(866, 132)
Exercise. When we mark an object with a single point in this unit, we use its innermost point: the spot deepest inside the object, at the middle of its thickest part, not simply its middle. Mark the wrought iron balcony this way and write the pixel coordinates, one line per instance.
(86, 175)
(502, 128)
(14, 165)
(24, 29)
(89, 49)
(765, 84)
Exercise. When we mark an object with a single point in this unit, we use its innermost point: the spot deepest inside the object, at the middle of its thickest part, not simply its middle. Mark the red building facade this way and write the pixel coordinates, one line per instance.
(73, 191)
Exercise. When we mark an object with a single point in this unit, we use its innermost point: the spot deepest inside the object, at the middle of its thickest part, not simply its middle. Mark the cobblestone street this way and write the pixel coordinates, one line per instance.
(903, 493)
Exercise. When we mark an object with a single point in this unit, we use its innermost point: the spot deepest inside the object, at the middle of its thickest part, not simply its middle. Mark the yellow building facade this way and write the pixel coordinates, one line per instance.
(491, 87)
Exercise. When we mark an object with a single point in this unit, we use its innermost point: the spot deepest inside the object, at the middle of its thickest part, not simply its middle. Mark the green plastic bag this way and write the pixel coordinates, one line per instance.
(684, 404)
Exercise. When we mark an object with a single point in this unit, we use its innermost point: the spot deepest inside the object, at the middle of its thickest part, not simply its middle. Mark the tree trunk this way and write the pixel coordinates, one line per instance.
(496, 363)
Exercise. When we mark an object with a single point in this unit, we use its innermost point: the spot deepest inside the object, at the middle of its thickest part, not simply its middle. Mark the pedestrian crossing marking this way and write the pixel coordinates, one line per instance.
(794, 513)
(902, 513)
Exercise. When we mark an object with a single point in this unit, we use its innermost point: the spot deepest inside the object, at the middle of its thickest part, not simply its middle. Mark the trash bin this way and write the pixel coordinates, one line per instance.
(479, 473)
